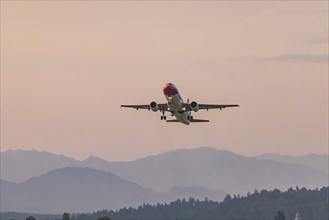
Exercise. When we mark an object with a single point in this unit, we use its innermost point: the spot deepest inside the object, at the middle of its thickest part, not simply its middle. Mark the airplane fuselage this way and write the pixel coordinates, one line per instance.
(175, 103)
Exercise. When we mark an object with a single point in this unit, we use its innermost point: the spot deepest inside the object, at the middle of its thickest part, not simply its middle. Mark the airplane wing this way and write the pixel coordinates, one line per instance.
(187, 106)
(162, 107)
(205, 106)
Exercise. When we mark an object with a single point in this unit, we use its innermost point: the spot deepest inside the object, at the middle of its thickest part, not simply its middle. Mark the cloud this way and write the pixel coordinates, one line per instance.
(300, 58)
(324, 40)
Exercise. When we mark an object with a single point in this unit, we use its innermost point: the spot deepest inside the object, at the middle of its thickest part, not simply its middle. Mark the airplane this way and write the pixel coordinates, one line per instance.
(177, 107)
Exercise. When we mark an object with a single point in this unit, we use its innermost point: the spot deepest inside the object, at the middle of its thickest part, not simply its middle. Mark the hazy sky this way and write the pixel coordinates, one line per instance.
(66, 67)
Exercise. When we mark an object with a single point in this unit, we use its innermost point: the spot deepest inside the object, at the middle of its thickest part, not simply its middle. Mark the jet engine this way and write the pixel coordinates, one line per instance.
(194, 106)
(154, 106)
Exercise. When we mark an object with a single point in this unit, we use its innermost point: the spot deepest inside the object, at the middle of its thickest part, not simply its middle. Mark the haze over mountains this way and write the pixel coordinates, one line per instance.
(72, 189)
(316, 161)
(216, 169)
(18, 165)
(75, 189)
(54, 183)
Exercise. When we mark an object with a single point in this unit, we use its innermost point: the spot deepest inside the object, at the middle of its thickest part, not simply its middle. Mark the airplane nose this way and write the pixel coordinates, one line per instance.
(169, 90)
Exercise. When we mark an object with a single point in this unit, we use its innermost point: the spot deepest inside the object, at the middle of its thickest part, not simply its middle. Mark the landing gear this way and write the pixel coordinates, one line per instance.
(189, 116)
(163, 117)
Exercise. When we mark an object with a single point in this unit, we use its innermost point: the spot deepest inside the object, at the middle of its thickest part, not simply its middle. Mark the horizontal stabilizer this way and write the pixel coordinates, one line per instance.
(199, 120)
(193, 120)
(172, 121)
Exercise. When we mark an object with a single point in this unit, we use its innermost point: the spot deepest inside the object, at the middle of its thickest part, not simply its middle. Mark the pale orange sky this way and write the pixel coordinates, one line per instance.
(66, 67)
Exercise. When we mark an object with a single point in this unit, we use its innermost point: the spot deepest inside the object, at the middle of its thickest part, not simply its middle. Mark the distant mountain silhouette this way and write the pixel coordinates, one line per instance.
(216, 169)
(18, 165)
(74, 190)
(86, 189)
(7, 187)
(203, 167)
(316, 161)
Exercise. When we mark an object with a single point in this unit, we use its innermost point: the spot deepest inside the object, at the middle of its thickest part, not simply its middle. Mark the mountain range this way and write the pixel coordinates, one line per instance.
(45, 182)
(315, 161)
(217, 169)
(74, 189)
(19, 165)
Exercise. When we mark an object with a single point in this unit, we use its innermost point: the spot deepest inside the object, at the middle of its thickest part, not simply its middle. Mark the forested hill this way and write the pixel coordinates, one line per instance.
(311, 204)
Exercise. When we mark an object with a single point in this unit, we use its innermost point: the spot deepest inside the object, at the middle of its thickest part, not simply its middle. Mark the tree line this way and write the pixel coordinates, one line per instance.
(264, 204)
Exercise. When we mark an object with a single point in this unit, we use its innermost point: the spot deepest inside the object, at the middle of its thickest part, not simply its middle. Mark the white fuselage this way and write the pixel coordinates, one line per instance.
(176, 108)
